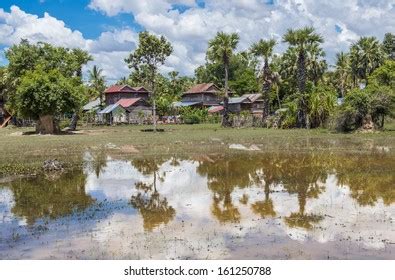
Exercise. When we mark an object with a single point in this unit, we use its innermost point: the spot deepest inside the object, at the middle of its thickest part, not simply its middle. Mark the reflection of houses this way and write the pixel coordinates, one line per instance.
(252, 103)
(201, 95)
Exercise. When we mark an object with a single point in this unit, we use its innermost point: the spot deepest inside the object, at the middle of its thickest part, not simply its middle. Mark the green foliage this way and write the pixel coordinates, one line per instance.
(97, 83)
(322, 102)
(374, 101)
(366, 55)
(26, 57)
(193, 115)
(389, 45)
(151, 52)
(242, 78)
(45, 93)
(221, 47)
(384, 75)
(48, 77)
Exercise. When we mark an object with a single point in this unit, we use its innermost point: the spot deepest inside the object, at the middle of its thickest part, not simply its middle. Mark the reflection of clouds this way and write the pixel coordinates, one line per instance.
(6, 204)
(195, 232)
(187, 192)
(116, 180)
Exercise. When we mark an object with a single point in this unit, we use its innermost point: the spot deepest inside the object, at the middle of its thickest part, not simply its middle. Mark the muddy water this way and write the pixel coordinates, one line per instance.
(234, 205)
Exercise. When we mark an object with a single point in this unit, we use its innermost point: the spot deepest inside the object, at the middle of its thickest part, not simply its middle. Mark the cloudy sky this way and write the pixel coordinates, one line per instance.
(108, 29)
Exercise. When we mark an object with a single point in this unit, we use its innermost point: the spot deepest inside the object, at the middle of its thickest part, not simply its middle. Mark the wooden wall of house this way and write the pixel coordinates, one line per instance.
(201, 97)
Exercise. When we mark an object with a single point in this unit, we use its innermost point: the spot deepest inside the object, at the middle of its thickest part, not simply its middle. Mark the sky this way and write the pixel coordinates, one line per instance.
(108, 29)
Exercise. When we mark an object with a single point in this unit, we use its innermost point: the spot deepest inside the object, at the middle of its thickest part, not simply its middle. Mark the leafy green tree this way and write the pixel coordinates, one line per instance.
(389, 45)
(384, 75)
(265, 49)
(301, 40)
(150, 53)
(26, 57)
(43, 95)
(366, 55)
(220, 50)
(97, 83)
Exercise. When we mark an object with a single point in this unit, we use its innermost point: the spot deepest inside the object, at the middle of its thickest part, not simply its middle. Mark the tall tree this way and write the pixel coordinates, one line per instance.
(265, 49)
(343, 72)
(97, 83)
(29, 58)
(151, 52)
(221, 49)
(366, 55)
(389, 45)
(301, 40)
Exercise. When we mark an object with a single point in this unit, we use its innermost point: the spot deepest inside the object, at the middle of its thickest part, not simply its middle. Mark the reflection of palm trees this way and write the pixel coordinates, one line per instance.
(301, 219)
(39, 198)
(264, 208)
(225, 212)
(153, 208)
(99, 162)
(373, 180)
(224, 175)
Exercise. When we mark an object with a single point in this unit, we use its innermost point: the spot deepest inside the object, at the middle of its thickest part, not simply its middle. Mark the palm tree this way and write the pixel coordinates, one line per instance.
(221, 49)
(97, 81)
(315, 65)
(343, 71)
(265, 49)
(367, 54)
(301, 40)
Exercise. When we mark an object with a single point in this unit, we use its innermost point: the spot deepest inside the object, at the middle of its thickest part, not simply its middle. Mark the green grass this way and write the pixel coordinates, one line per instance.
(21, 154)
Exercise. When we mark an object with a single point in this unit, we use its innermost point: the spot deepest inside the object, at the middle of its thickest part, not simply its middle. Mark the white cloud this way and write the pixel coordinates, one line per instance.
(17, 24)
(189, 31)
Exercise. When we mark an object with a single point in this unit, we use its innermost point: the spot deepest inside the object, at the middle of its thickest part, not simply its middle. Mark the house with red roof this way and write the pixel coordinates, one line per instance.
(201, 95)
(117, 92)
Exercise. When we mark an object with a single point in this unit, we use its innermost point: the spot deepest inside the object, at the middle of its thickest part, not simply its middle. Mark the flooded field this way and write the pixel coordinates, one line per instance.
(239, 203)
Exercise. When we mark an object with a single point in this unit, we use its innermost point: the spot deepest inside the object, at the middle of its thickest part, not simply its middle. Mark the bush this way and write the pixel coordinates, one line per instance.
(193, 116)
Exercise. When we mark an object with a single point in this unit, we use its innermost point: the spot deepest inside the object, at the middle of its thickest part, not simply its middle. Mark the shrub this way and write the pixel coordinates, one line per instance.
(193, 116)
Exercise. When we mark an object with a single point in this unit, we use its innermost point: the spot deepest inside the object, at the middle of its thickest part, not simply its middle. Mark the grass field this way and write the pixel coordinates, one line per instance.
(24, 153)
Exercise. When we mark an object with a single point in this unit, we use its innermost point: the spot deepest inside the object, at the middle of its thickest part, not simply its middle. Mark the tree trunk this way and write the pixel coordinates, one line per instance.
(301, 77)
(74, 121)
(153, 102)
(382, 121)
(266, 91)
(46, 125)
(225, 118)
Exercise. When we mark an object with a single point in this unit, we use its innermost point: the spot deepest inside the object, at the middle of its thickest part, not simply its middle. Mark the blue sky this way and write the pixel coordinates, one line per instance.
(76, 15)
(108, 29)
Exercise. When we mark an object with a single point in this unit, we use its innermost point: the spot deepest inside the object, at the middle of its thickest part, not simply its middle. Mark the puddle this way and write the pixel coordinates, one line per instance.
(227, 206)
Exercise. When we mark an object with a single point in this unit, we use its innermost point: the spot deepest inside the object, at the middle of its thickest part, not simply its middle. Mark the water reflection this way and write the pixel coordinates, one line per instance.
(38, 198)
(207, 201)
(152, 206)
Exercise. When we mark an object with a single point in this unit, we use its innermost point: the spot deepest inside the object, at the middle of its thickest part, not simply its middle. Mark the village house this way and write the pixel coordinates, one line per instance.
(126, 104)
(117, 92)
(201, 96)
(252, 103)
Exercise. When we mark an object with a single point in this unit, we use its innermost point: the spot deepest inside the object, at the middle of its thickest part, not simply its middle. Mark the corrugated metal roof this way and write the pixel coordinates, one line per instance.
(202, 88)
(92, 105)
(215, 109)
(127, 102)
(185, 104)
(109, 108)
(236, 100)
(253, 96)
